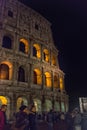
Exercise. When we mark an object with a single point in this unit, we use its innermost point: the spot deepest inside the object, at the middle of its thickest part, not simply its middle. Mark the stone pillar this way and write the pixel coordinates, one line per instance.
(52, 79)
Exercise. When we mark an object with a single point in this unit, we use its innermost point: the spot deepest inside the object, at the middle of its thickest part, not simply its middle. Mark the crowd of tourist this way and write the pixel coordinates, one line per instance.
(28, 119)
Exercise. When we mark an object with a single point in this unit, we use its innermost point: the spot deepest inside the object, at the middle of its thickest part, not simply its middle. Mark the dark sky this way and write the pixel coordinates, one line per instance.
(69, 26)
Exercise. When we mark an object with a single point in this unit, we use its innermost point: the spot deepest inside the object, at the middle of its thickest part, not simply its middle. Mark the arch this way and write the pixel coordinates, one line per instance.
(46, 55)
(7, 42)
(55, 81)
(61, 83)
(47, 105)
(6, 69)
(23, 46)
(48, 82)
(37, 77)
(5, 100)
(21, 74)
(53, 59)
(36, 50)
(21, 101)
(57, 106)
(62, 106)
(37, 103)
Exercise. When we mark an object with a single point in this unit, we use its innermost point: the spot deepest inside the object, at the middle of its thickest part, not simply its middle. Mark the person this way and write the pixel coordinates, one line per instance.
(84, 120)
(32, 117)
(61, 124)
(3, 117)
(77, 119)
(22, 122)
(50, 119)
(70, 120)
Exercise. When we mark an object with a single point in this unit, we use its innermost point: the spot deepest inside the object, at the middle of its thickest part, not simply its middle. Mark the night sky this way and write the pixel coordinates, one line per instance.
(69, 27)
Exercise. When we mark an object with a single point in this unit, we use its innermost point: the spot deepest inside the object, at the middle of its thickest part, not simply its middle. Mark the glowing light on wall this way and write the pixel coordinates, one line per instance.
(38, 76)
(26, 45)
(38, 50)
(48, 82)
(61, 84)
(46, 55)
(53, 59)
(3, 100)
(2, 75)
(21, 101)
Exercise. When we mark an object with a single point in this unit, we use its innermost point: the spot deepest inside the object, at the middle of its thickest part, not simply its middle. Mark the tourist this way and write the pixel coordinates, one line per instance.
(22, 122)
(77, 119)
(70, 120)
(32, 117)
(50, 119)
(3, 117)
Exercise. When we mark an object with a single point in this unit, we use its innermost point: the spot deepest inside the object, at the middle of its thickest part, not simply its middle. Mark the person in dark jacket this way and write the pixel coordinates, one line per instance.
(22, 121)
(50, 119)
(70, 120)
(32, 117)
(3, 117)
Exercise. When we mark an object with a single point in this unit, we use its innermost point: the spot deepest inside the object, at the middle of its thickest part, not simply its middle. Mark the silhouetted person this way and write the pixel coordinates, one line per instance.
(3, 117)
(32, 117)
(22, 122)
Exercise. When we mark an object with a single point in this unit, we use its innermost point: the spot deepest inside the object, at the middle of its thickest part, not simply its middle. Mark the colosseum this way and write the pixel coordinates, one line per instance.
(29, 67)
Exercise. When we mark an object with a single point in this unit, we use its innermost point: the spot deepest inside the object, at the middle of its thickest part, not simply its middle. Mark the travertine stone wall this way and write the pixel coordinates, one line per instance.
(27, 23)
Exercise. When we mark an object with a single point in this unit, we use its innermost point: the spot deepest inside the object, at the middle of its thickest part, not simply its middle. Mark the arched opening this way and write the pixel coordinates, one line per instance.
(48, 82)
(23, 46)
(37, 103)
(37, 77)
(46, 55)
(61, 84)
(6, 70)
(7, 42)
(47, 105)
(55, 81)
(21, 74)
(6, 101)
(53, 59)
(56, 106)
(21, 101)
(36, 50)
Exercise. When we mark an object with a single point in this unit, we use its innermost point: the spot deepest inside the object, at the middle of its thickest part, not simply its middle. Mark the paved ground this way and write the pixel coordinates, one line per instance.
(42, 126)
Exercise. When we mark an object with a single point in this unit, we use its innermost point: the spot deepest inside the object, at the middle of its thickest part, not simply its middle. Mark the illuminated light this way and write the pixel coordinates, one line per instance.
(3, 100)
(46, 55)
(48, 81)
(26, 45)
(61, 84)
(53, 59)
(38, 49)
(3, 73)
(38, 76)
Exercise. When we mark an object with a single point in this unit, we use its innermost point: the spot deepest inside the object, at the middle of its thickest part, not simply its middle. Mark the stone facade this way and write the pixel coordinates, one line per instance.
(29, 68)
